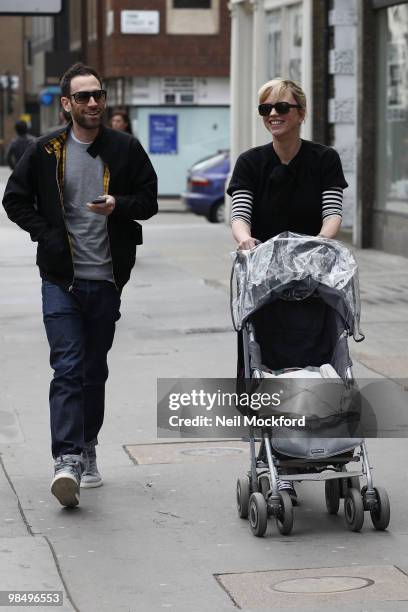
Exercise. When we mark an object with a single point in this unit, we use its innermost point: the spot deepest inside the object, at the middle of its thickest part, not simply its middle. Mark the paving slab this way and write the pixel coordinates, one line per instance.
(322, 586)
(27, 564)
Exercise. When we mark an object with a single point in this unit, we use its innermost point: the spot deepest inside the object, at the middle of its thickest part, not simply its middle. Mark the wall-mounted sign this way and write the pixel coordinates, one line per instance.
(163, 134)
(139, 22)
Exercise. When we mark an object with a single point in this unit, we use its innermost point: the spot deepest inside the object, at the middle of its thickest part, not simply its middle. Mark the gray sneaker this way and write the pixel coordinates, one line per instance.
(67, 478)
(91, 478)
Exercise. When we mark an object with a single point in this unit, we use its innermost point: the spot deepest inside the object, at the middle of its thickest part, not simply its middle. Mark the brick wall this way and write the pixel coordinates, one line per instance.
(161, 54)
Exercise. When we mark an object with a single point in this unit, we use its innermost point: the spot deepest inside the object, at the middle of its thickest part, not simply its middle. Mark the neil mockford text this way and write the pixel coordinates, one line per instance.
(238, 420)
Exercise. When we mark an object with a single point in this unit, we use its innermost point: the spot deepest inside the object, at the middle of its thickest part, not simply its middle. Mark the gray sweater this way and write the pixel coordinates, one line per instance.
(83, 182)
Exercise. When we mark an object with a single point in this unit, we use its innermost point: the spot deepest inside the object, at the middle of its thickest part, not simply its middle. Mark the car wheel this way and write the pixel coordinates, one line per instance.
(217, 213)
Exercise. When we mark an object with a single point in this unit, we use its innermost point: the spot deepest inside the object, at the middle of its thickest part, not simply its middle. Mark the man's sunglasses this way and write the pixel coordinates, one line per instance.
(282, 108)
(83, 97)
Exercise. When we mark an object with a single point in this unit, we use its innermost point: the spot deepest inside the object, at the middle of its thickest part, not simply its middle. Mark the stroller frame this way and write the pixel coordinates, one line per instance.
(258, 495)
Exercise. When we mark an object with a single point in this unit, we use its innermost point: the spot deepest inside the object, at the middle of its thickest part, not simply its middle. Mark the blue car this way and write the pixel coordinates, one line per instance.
(206, 187)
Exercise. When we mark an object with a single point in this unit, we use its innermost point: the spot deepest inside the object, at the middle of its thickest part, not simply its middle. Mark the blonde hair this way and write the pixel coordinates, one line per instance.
(279, 85)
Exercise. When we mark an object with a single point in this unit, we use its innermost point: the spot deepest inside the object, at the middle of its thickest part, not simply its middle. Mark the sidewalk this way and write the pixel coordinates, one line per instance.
(164, 525)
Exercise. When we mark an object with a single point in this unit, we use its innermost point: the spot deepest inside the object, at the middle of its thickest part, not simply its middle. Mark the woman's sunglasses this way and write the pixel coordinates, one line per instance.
(83, 97)
(282, 108)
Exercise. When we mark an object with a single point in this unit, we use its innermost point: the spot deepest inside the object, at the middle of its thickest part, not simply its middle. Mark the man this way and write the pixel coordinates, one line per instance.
(77, 192)
(19, 144)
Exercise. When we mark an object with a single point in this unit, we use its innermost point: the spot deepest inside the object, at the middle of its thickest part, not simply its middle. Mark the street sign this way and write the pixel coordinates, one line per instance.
(30, 7)
(139, 22)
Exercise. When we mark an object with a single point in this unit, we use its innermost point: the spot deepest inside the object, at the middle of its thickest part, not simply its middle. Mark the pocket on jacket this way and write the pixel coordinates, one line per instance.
(53, 252)
(136, 232)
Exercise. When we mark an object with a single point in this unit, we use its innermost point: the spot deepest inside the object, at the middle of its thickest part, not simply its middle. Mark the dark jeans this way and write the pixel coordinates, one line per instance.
(80, 327)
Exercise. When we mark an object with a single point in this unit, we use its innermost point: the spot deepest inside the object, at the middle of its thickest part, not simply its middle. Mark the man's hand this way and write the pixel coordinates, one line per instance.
(103, 208)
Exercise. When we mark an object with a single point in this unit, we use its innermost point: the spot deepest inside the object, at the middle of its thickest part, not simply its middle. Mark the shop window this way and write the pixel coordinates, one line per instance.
(285, 53)
(392, 110)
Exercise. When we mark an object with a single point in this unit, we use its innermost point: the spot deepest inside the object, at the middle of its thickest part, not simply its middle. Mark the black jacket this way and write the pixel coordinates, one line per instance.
(34, 200)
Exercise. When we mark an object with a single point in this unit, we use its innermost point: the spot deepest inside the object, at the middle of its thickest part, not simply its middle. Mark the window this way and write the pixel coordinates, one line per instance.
(392, 110)
(75, 24)
(285, 53)
(92, 19)
(192, 4)
(193, 17)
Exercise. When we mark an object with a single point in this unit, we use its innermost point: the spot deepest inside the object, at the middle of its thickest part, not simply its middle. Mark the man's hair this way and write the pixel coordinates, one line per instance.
(77, 69)
(21, 127)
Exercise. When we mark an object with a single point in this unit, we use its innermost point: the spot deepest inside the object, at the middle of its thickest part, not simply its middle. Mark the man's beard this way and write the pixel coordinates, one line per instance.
(88, 123)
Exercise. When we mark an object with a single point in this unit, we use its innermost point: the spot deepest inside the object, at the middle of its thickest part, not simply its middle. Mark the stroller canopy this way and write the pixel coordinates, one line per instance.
(292, 267)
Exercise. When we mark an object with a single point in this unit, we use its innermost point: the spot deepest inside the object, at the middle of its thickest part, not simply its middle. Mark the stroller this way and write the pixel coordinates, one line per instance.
(315, 281)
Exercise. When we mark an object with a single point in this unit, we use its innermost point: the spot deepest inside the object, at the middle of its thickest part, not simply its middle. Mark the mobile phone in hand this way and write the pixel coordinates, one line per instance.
(100, 200)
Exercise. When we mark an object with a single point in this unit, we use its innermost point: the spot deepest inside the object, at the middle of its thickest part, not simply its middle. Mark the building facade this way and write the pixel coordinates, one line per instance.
(387, 146)
(167, 63)
(351, 59)
(295, 39)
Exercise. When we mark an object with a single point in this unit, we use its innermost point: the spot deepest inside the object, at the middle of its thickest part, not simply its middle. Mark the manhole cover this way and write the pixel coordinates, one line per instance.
(328, 584)
(320, 587)
(186, 452)
(212, 452)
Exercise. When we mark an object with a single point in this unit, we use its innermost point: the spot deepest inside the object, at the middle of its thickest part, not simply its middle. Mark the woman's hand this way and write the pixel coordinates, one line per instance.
(330, 227)
(247, 244)
(242, 234)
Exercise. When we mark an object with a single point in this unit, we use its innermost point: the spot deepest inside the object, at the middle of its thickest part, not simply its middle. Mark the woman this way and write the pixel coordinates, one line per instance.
(292, 185)
(120, 121)
(288, 185)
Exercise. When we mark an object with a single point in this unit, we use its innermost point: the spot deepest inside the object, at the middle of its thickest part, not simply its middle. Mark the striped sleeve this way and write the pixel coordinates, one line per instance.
(242, 206)
(332, 202)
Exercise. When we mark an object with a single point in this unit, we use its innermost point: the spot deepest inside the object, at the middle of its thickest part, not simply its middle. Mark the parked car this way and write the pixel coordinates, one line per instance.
(206, 187)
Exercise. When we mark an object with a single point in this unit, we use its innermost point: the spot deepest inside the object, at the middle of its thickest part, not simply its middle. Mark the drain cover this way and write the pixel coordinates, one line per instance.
(323, 586)
(326, 584)
(212, 451)
(186, 452)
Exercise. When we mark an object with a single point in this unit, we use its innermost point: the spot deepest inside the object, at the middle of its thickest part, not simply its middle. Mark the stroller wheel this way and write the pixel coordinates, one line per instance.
(258, 514)
(243, 497)
(332, 495)
(353, 509)
(284, 519)
(380, 515)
